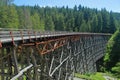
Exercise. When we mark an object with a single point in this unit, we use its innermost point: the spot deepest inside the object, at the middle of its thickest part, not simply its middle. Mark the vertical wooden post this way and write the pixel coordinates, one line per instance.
(35, 75)
(9, 63)
(15, 62)
(29, 74)
(2, 64)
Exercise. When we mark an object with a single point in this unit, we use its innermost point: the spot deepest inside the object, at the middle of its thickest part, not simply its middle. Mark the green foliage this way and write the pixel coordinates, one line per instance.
(116, 70)
(60, 19)
(113, 51)
(13, 21)
(59, 23)
(105, 18)
(112, 57)
(8, 17)
(83, 27)
(82, 76)
(96, 76)
(3, 16)
(21, 18)
(112, 23)
(27, 18)
(36, 22)
(49, 25)
(94, 24)
(100, 22)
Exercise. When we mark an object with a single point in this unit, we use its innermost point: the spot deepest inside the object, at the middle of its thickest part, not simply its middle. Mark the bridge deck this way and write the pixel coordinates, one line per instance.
(7, 35)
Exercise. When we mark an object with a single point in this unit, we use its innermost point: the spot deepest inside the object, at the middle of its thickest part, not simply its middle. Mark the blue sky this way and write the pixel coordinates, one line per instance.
(113, 5)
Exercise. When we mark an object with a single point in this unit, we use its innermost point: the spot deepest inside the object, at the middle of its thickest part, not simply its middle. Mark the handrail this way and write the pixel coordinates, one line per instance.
(7, 34)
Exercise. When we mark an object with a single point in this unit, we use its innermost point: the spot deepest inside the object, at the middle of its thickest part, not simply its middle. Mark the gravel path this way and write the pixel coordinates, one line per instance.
(109, 78)
(106, 77)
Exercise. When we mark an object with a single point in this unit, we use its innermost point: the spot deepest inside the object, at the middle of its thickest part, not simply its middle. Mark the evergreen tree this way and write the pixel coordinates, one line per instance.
(79, 7)
(49, 25)
(8, 17)
(27, 18)
(112, 24)
(75, 8)
(21, 18)
(105, 18)
(83, 26)
(88, 29)
(13, 21)
(100, 22)
(3, 16)
(78, 20)
(59, 23)
(94, 24)
(35, 21)
(56, 18)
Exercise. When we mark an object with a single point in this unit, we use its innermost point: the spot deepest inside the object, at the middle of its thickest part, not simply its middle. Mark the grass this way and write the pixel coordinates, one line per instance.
(82, 76)
(95, 76)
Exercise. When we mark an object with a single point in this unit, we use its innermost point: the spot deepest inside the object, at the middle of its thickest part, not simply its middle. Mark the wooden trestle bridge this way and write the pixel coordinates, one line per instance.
(34, 55)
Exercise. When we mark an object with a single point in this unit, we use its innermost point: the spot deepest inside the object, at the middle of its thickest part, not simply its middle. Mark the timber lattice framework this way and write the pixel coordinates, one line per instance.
(34, 55)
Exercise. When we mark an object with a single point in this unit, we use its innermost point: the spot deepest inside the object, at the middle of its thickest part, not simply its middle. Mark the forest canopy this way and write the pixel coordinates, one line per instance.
(79, 18)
